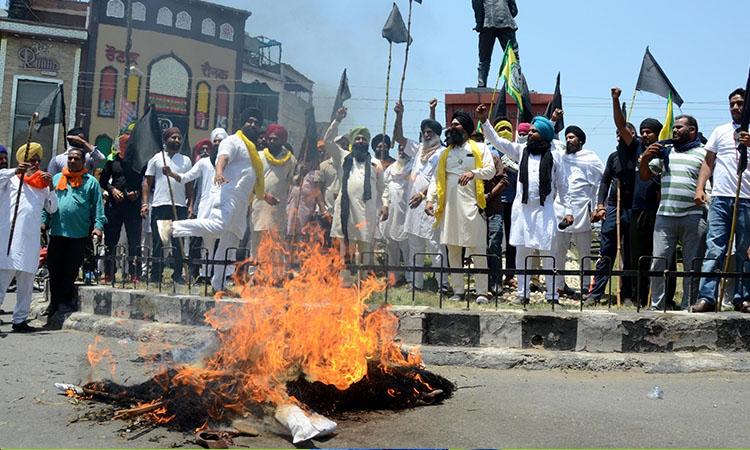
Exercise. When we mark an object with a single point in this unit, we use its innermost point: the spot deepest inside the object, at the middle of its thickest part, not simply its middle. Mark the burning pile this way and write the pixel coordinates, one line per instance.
(304, 340)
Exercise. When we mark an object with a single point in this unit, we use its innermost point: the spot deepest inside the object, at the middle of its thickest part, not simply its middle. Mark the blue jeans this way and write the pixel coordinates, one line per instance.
(609, 250)
(495, 249)
(717, 240)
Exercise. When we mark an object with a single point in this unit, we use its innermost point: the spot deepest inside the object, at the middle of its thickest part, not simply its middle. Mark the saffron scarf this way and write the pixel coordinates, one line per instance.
(35, 180)
(441, 178)
(74, 178)
(274, 161)
(259, 189)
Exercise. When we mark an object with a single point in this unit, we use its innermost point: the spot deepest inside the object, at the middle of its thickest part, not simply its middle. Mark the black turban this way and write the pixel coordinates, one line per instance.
(578, 132)
(465, 120)
(378, 139)
(433, 125)
(652, 124)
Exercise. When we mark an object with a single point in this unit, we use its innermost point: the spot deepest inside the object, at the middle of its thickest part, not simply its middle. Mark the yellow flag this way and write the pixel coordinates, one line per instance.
(666, 132)
(511, 73)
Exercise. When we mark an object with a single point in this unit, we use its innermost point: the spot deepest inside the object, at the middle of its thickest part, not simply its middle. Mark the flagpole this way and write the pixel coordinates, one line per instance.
(387, 86)
(494, 92)
(732, 231)
(406, 57)
(128, 47)
(632, 103)
(32, 122)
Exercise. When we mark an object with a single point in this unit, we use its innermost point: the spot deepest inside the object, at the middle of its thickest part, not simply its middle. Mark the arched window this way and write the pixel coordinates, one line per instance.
(164, 16)
(208, 27)
(222, 107)
(226, 32)
(202, 102)
(107, 92)
(115, 8)
(183, 21)
(139, 12)
(169, 86)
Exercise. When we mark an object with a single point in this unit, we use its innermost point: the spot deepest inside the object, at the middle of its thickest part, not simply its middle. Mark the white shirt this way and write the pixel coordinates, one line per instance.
(179, 164)
(396, 181)
(723, 143)
(206, 171)
(418, 222)
(579, 176)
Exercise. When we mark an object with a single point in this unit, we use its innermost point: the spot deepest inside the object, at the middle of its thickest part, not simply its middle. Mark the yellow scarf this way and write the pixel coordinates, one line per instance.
(441, 177)
(277, 162)
(259, 189)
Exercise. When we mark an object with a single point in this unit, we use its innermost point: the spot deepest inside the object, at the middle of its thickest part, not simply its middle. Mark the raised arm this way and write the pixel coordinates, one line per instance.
(398, 126)
(337, 155)
(511, 149)
(619, 117)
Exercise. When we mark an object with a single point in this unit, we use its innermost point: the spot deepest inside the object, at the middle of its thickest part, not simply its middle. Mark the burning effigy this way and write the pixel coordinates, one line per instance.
(297, 345)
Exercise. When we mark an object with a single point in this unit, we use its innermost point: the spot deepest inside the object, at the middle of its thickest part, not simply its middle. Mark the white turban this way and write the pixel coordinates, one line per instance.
(219, 133)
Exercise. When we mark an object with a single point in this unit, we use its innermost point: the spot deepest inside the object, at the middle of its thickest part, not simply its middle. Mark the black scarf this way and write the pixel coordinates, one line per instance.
(679, 148)
(366, 196)
(545, 170)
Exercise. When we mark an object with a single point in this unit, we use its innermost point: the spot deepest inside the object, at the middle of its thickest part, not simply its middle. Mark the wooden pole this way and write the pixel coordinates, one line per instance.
(727, 256)
(406, 58)
(387, 87)
(618, 211)
(32, 122)
(632, 103)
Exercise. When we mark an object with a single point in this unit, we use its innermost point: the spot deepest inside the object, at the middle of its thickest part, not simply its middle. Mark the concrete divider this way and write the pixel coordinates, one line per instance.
(587, 331)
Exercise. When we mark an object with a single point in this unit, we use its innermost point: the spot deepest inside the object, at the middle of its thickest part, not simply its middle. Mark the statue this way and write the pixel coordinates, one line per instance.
(495, 20)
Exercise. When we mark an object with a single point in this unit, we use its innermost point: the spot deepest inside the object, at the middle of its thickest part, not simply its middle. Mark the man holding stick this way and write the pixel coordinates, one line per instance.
(722, 158)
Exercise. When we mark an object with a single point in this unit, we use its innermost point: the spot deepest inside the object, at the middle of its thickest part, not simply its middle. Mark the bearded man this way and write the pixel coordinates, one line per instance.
(456, 199)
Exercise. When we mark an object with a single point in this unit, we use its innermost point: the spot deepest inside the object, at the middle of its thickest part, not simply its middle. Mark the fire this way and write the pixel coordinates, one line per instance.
(95, 355)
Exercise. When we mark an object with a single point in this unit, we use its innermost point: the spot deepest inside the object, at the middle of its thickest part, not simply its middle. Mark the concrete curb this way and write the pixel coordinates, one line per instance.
(570, 330)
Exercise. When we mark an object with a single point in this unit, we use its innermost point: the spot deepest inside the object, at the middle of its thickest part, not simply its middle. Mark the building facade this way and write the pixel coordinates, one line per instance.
(185, 58)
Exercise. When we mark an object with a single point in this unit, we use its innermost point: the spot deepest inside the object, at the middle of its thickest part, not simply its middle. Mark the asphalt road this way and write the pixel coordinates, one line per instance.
(492, 408)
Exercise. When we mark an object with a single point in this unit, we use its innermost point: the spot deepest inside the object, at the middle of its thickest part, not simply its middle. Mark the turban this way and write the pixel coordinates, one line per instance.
(3, 149)
(652, 124)
(75, 131)
(578, 132)
(218, 133)
(256, 113)
(356, 131)
(524, 127)
(380, 138)
(507, 134)
(465, 120)
(278, 130)
(166, 134)
(199, 145)
(433, 125)
(545, 127)
(35, 149)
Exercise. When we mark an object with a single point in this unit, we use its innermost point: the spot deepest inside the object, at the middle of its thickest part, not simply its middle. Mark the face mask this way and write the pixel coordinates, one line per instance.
(522, 139)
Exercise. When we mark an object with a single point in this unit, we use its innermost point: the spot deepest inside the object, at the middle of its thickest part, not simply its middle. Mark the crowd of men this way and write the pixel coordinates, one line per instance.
(469, 196)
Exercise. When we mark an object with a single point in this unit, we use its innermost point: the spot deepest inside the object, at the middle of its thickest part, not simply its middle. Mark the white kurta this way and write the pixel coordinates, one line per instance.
(396, 181)
(330, 180)
(278, 179)
(24, 251)
(462, 225)
(363, 215)
(579, 175)
(204, 170)
(418, 222)
(532, 225)
(228, 213)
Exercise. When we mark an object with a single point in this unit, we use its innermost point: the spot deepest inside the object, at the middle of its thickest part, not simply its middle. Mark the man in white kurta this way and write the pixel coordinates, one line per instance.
(234, 182)
(23, 260)
(532, 217)
(269, 213)
(363, 215)
(396, 183)
(422, 234)
(456, 197)
(580, 171)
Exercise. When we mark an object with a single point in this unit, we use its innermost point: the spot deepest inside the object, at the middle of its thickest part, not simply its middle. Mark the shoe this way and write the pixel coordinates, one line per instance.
(703, 306)
(106, 279)
(4, 312)
(446, 290)
(590, 300)
(482, 300)
(456, 298)
(88, 278)
(23, 327)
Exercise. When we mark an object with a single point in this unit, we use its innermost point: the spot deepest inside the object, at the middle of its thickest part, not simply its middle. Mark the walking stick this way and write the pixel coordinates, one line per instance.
(619, 244)
(733, 229)
(174, 211)
(32, 121)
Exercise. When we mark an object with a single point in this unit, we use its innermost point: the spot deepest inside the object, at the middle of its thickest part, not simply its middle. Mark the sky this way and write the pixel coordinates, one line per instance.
(595, 44)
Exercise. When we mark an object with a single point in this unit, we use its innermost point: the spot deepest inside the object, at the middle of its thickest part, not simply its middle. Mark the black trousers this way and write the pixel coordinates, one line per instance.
(64, 259)
(487, 39)
(510, 250)
(157, 266)
(641, 244)
(128, 214)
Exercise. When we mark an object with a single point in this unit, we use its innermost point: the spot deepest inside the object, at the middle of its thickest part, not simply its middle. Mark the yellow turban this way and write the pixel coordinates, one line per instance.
(507, 129)
(35, 149)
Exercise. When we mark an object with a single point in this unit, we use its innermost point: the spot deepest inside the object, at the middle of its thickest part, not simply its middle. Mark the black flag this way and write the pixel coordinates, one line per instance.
(653, 79)
(744, 123)
(394, 29)
(52, 109)
(528, 114)
(309, 147)
(145, 140)
(555, 104)
(342, 95)
(501, 107)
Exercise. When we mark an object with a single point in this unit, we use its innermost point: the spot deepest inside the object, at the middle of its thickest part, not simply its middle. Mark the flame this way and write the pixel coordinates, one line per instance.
(95, 355)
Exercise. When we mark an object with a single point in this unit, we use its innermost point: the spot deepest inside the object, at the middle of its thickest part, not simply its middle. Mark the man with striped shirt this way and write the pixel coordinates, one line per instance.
(678, 218)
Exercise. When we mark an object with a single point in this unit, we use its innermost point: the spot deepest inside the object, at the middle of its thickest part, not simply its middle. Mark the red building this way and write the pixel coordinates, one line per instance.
(469, 101)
